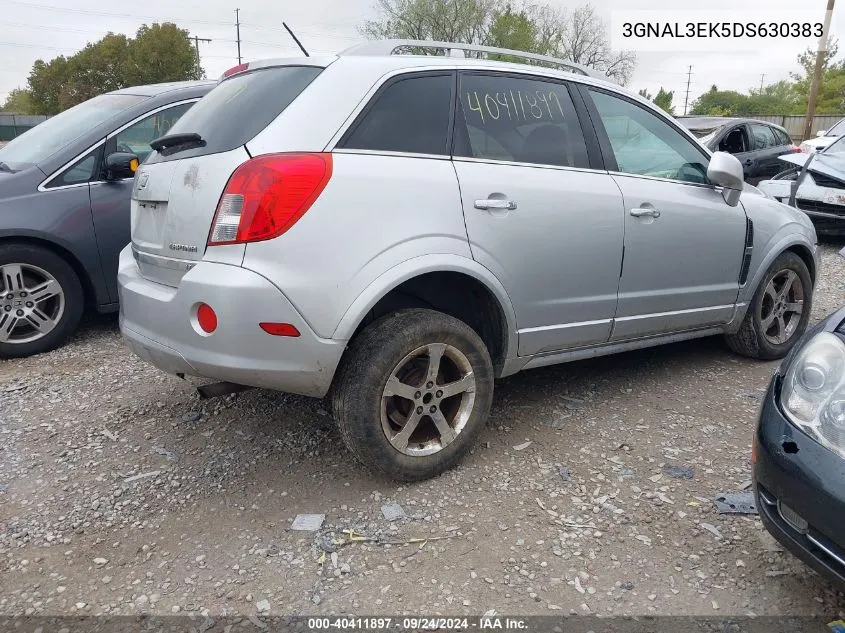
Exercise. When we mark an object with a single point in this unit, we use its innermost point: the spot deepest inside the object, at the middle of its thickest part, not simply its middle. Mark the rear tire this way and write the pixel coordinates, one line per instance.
(41, 300)
(391, 397)
(772, 326)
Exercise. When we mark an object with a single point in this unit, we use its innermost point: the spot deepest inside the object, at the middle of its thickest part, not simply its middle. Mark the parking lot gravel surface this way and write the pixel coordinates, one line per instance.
(591, 492)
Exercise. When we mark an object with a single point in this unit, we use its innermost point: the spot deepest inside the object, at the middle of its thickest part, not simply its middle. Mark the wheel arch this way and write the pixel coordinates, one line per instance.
(411, 284)
(88, 288)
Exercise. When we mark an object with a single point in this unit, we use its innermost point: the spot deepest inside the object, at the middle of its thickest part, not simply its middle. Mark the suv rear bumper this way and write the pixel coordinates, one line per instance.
(158, 323)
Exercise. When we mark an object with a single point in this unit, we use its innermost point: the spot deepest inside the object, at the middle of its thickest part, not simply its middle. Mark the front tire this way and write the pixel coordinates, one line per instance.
(779, 312)
(413, 393)
(41, 300)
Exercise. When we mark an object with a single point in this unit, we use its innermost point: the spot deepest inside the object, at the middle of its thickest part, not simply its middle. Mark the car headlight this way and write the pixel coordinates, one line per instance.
(813, 393)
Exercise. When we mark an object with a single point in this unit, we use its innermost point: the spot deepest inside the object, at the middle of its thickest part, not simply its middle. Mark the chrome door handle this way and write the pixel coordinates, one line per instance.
(644, 212)
(505, 205)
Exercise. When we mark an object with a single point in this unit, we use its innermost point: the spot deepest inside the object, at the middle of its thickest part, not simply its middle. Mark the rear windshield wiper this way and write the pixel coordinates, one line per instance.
(177, 142)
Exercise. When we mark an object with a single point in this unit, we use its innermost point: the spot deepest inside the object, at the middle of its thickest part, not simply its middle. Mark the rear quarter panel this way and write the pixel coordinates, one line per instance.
(376, 213)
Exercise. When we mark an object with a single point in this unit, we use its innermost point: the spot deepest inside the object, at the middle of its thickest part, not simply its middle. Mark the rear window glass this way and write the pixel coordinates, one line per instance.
(236, 110)
(410, 115)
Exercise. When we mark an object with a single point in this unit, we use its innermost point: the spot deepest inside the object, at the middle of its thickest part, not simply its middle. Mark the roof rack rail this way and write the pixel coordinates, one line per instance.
(389, 47)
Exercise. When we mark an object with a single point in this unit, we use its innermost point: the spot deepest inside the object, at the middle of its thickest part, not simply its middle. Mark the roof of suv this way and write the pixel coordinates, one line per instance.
(383, 54)
(153, 90)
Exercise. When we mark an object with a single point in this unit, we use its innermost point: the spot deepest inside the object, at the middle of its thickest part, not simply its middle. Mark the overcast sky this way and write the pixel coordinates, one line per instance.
(32, 29)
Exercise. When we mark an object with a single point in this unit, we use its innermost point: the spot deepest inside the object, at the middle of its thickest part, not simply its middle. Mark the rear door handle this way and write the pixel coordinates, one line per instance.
(644, 212)
(504, 205)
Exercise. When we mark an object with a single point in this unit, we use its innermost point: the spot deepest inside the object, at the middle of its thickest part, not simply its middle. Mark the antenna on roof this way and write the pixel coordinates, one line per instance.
(295, 39)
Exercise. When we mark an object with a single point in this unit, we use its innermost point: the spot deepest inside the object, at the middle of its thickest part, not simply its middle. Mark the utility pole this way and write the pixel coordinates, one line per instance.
(238, 31)
(686, 98)
(197, 41)
(762, 77)
(817, 73)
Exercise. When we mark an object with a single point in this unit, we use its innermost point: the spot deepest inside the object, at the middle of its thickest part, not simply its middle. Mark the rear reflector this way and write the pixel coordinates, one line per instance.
(206, 318)
(267, 195)
(235, 70)
(279, 329)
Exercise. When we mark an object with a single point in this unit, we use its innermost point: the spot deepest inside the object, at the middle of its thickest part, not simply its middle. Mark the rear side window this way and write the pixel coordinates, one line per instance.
(763, 137)
(237, 109)
(523, 120)
(409, 115)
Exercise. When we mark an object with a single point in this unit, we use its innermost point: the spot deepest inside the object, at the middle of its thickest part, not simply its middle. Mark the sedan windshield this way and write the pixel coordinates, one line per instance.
(45, 139)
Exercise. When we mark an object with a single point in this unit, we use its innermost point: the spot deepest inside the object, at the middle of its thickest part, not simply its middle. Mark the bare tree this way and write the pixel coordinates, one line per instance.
(581, 36)
(578, 35)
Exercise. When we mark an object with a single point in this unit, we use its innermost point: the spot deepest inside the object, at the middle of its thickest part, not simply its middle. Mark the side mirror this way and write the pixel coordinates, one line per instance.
(120, 165)
(725, 171)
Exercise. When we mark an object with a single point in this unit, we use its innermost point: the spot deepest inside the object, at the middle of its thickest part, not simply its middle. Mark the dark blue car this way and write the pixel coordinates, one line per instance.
(799, 450)
(65, 190)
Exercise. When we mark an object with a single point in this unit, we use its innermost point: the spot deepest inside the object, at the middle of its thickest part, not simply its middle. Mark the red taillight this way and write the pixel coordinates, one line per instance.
(279, 329)
(235, 70)
(795, 149)
(206, 318)
(267, 195)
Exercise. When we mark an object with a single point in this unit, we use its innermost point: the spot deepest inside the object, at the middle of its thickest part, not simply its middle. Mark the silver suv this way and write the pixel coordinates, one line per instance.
(398, 230)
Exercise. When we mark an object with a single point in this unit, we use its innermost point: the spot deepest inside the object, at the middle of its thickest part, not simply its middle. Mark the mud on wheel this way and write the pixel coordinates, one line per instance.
(413, 393)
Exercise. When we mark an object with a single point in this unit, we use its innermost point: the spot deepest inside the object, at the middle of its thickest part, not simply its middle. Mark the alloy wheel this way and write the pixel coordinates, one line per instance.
(32, 303)
(428, 399)
(782, 307)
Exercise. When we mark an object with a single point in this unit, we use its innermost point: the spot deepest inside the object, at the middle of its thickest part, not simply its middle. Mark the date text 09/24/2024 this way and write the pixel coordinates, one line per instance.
(417, 624)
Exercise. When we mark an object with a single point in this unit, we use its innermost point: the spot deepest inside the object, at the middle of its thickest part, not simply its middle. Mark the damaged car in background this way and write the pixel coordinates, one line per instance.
(815, 184)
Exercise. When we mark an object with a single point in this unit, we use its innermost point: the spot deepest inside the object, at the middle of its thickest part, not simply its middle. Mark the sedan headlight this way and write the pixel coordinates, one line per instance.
(813, 393)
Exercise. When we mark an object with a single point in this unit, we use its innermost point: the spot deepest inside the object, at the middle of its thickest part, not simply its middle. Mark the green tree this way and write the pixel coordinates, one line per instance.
(465, 21)
(514, 30)
(645, 94)
(717, 102)
(158, 53)
(48, 85)
(161, 53)
(19, 101)
(663, 100)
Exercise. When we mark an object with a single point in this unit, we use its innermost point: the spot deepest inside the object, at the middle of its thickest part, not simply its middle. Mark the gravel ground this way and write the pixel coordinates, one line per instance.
(591, 492)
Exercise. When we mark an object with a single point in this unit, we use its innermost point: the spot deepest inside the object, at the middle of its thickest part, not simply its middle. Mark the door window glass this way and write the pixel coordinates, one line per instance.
(137, 137)
(645, 144)
(524, 120)
(763, 136)
(411, 115)
(734, 142)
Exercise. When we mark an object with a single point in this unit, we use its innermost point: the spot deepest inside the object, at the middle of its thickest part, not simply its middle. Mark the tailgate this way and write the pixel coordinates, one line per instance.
(173, 205)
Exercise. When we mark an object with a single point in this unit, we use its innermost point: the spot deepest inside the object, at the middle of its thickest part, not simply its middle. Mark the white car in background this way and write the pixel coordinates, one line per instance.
(820, 191)
(825, 138)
